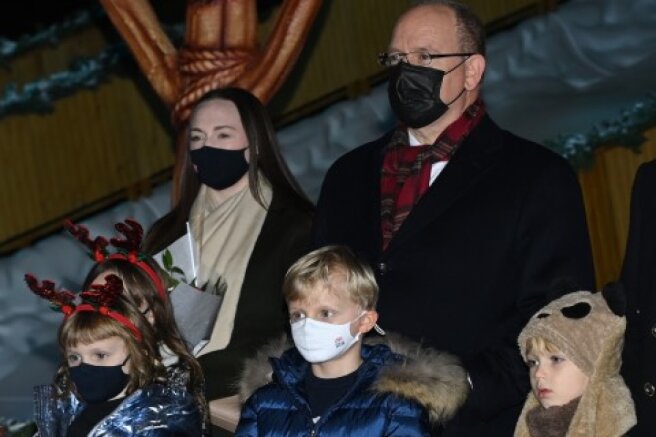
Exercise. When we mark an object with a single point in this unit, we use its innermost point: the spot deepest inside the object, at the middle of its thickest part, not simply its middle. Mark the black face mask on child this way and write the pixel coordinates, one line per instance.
(97, 384)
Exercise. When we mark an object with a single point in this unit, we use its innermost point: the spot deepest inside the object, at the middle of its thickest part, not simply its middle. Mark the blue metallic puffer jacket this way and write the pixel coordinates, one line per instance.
(393, 396)
(154, 411)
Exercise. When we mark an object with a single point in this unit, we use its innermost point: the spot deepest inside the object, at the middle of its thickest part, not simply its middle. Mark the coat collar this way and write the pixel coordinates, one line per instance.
(478, 154)
(394, 365)
(290, 370)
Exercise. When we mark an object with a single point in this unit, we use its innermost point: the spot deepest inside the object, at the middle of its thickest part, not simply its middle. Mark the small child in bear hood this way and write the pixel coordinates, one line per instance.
(573, 347)
(332, 384)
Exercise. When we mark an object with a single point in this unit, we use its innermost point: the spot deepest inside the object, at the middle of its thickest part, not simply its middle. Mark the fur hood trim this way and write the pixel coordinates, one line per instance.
(435, 380)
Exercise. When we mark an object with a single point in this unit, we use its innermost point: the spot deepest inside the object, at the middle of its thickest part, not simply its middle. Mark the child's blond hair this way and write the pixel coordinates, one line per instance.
(539, 344)
(332, 267)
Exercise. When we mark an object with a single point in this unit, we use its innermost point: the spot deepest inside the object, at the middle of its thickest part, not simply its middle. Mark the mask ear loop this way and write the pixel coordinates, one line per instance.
(456, 98)
(458, 65)
(377, 328)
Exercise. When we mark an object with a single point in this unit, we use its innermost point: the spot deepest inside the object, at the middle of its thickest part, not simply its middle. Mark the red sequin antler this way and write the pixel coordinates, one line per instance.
(62, 300)
(100, 299)
(128, 247)
(131, 244)
(133, 234)
(98, 246)
(104, 294)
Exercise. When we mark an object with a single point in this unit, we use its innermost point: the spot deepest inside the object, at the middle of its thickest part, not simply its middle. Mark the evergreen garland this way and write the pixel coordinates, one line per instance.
(51, 35)
(83, 73)
(627, 131)
(39, 96)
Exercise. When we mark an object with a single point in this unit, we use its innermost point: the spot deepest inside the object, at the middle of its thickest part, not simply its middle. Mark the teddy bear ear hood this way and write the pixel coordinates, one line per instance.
(588, 328)
(584, 327)
(615, 298)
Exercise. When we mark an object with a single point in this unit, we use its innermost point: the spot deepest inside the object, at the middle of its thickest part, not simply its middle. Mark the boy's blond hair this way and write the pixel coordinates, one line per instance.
(333, 267)
(539, 344)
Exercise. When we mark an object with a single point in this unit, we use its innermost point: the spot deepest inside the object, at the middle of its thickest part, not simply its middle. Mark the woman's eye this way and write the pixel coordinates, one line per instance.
(73, 359)
(101, 355)
(223, 136)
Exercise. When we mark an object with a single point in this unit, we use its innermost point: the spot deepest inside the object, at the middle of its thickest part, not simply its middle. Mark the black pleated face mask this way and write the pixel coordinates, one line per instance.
(414, 94)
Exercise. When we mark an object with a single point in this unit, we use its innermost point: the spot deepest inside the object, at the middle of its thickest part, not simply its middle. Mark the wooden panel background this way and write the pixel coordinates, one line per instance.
(96, 147)
(607, 193)
(100, 146)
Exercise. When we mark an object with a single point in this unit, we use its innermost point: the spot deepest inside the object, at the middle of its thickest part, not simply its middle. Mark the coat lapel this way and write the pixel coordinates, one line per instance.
(372, 177)
(480, 152)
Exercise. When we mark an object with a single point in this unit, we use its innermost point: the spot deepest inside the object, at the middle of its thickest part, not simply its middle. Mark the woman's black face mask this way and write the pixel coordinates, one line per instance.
(219, 168)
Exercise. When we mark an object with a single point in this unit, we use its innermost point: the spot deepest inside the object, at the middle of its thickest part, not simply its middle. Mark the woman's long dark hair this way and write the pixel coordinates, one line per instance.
(265, 157)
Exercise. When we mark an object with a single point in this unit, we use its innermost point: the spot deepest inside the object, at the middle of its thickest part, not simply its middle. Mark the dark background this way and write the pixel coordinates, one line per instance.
(29, 16)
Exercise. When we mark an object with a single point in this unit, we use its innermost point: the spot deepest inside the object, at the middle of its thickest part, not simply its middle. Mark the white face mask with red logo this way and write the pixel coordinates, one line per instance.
(320, 341)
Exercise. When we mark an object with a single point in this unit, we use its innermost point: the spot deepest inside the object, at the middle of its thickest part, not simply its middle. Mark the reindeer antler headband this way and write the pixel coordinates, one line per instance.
(127, 248)
(100, 298)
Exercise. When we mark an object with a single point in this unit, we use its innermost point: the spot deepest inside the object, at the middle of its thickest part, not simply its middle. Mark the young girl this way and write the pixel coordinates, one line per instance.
(111, 382)
(145, 287)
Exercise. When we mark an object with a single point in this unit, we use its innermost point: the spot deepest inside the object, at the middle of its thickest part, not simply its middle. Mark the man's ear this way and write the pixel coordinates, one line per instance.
(367, 321)
(474, 68)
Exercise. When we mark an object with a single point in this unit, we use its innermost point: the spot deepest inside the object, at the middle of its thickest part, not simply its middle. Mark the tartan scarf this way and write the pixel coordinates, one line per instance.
(406, 169)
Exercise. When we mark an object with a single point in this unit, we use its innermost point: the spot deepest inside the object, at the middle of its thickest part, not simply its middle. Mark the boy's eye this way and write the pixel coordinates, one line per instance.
(296, 316)
(531, 363)
(324, 314)
(557, 359)
(101, 355)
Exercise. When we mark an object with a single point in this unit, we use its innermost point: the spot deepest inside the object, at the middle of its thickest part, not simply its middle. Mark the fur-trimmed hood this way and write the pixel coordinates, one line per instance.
(435, 380)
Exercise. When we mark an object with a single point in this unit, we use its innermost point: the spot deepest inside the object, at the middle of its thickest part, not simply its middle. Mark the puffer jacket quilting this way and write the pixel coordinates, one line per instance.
(154, 411)
(389, 397)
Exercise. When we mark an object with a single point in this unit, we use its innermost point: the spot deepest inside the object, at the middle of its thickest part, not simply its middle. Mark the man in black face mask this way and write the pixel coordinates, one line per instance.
(466, 225)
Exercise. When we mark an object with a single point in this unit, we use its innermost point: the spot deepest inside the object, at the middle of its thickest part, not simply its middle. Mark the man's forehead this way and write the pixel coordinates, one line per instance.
(427, 27)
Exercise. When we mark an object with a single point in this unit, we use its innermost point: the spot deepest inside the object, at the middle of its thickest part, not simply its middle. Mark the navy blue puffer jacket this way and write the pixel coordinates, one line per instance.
(388, 399)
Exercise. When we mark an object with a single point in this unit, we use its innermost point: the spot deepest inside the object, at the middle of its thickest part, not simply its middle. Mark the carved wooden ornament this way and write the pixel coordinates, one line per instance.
(220, 49)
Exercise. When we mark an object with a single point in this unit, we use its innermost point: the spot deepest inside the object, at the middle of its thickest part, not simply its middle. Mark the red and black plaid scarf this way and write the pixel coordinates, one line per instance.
(406, 169)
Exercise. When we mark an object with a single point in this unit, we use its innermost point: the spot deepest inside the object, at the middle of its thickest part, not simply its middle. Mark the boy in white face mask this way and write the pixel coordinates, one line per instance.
(332, 384)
